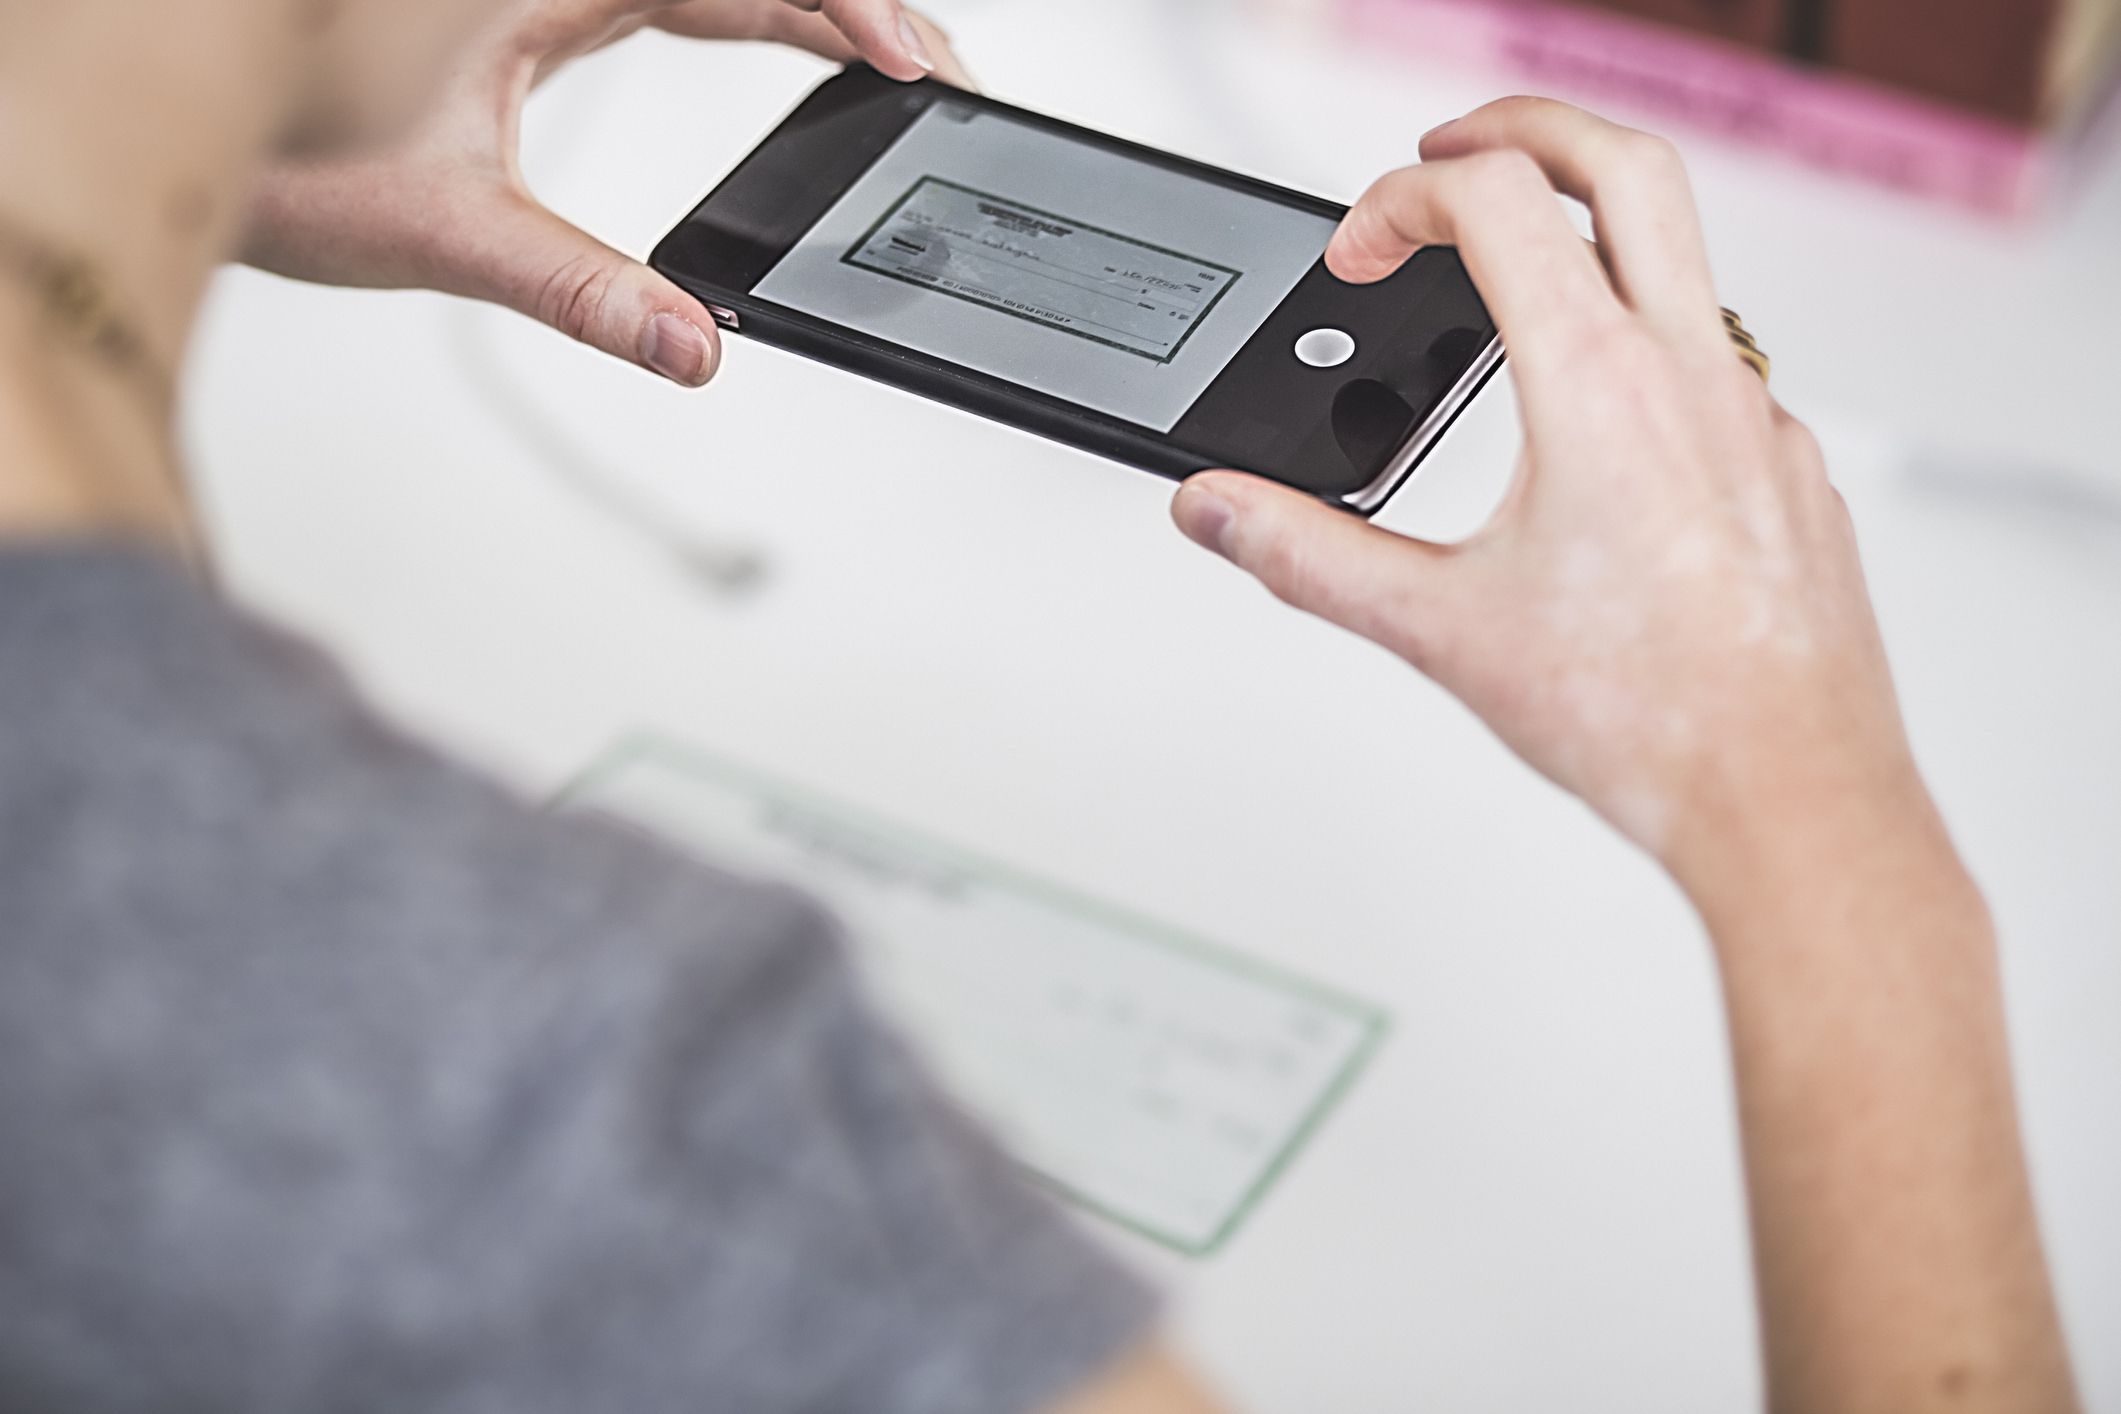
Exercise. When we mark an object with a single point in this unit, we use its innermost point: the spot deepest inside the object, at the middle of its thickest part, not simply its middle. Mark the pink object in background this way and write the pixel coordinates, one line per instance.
(1827, 119)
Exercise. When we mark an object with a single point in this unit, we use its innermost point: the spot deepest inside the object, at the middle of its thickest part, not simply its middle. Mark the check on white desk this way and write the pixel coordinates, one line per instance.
(1160, 1081)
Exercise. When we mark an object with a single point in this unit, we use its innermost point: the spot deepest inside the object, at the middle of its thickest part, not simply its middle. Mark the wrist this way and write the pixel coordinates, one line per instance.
(1763, 850)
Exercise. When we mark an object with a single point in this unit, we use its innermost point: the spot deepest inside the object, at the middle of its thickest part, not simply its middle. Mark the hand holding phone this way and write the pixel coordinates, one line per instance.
(1669, 619)
(447, 209)
(1667, 614)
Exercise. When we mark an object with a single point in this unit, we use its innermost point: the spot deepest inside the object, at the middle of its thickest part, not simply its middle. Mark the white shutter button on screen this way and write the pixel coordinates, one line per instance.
(1326, 348)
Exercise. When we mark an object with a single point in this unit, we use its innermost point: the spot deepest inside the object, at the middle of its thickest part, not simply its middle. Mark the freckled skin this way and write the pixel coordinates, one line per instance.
(1617, 582)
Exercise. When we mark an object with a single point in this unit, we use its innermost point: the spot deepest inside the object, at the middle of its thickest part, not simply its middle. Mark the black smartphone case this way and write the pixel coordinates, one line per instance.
(1419, 330)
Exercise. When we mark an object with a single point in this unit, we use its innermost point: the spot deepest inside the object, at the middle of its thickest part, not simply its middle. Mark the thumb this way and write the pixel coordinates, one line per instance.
(1405, 595)
(538, 264)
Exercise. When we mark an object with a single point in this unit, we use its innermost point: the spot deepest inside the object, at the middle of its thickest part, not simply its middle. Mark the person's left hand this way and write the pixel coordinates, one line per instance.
(447, 208)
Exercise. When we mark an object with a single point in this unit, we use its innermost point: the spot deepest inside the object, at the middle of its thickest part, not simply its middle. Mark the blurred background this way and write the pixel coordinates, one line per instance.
(1531, 1199)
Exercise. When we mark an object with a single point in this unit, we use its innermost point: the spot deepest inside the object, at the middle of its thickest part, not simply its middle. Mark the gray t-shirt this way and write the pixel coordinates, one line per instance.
(334, 1078)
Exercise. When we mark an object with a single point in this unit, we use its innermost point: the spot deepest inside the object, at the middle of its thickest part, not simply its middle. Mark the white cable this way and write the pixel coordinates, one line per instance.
(724, 565)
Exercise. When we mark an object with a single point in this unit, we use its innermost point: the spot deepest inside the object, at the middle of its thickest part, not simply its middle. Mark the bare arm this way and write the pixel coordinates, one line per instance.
(1669, 619)
(1898, 1262)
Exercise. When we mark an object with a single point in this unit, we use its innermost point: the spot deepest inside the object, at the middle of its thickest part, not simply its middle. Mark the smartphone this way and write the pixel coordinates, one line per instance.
(1138, 305)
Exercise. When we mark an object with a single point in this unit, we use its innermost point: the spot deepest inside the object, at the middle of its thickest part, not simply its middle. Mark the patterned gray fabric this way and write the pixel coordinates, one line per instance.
(332, 1078)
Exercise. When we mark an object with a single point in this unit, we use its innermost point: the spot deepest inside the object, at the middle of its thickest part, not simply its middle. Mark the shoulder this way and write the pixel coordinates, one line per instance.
(171, 768)
(303, 1009)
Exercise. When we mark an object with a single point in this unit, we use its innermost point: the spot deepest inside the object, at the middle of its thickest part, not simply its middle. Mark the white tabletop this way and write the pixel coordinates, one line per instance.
(1531, 1201)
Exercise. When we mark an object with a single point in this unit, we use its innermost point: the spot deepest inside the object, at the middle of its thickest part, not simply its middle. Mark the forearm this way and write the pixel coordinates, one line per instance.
(1898, 1259)
(1668, 617)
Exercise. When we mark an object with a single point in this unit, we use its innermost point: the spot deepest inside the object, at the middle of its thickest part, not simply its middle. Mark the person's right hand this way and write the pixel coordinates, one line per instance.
(447, 207)
(1667, 616)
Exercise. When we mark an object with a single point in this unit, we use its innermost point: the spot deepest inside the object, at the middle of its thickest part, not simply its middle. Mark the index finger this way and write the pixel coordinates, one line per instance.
(881, 31)
(1541, 283)
(1649, 233)
(778, 22)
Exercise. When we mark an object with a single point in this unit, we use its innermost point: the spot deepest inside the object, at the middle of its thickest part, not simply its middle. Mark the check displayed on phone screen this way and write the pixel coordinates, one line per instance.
(1043, 267)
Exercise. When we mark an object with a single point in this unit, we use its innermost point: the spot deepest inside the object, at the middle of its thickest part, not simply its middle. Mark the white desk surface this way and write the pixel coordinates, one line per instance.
(1532, 1199)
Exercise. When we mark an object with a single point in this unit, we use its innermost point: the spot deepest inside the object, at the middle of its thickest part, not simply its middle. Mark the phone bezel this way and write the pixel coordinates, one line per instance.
(726, 245)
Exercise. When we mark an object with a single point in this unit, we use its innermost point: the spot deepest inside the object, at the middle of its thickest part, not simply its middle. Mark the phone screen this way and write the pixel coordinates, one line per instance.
(1056, 265)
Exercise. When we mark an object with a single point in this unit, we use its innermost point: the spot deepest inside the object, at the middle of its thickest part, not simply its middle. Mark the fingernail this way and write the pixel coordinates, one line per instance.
(910, 38)
(1439, 130)
(677, 349)
(1206, 519)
